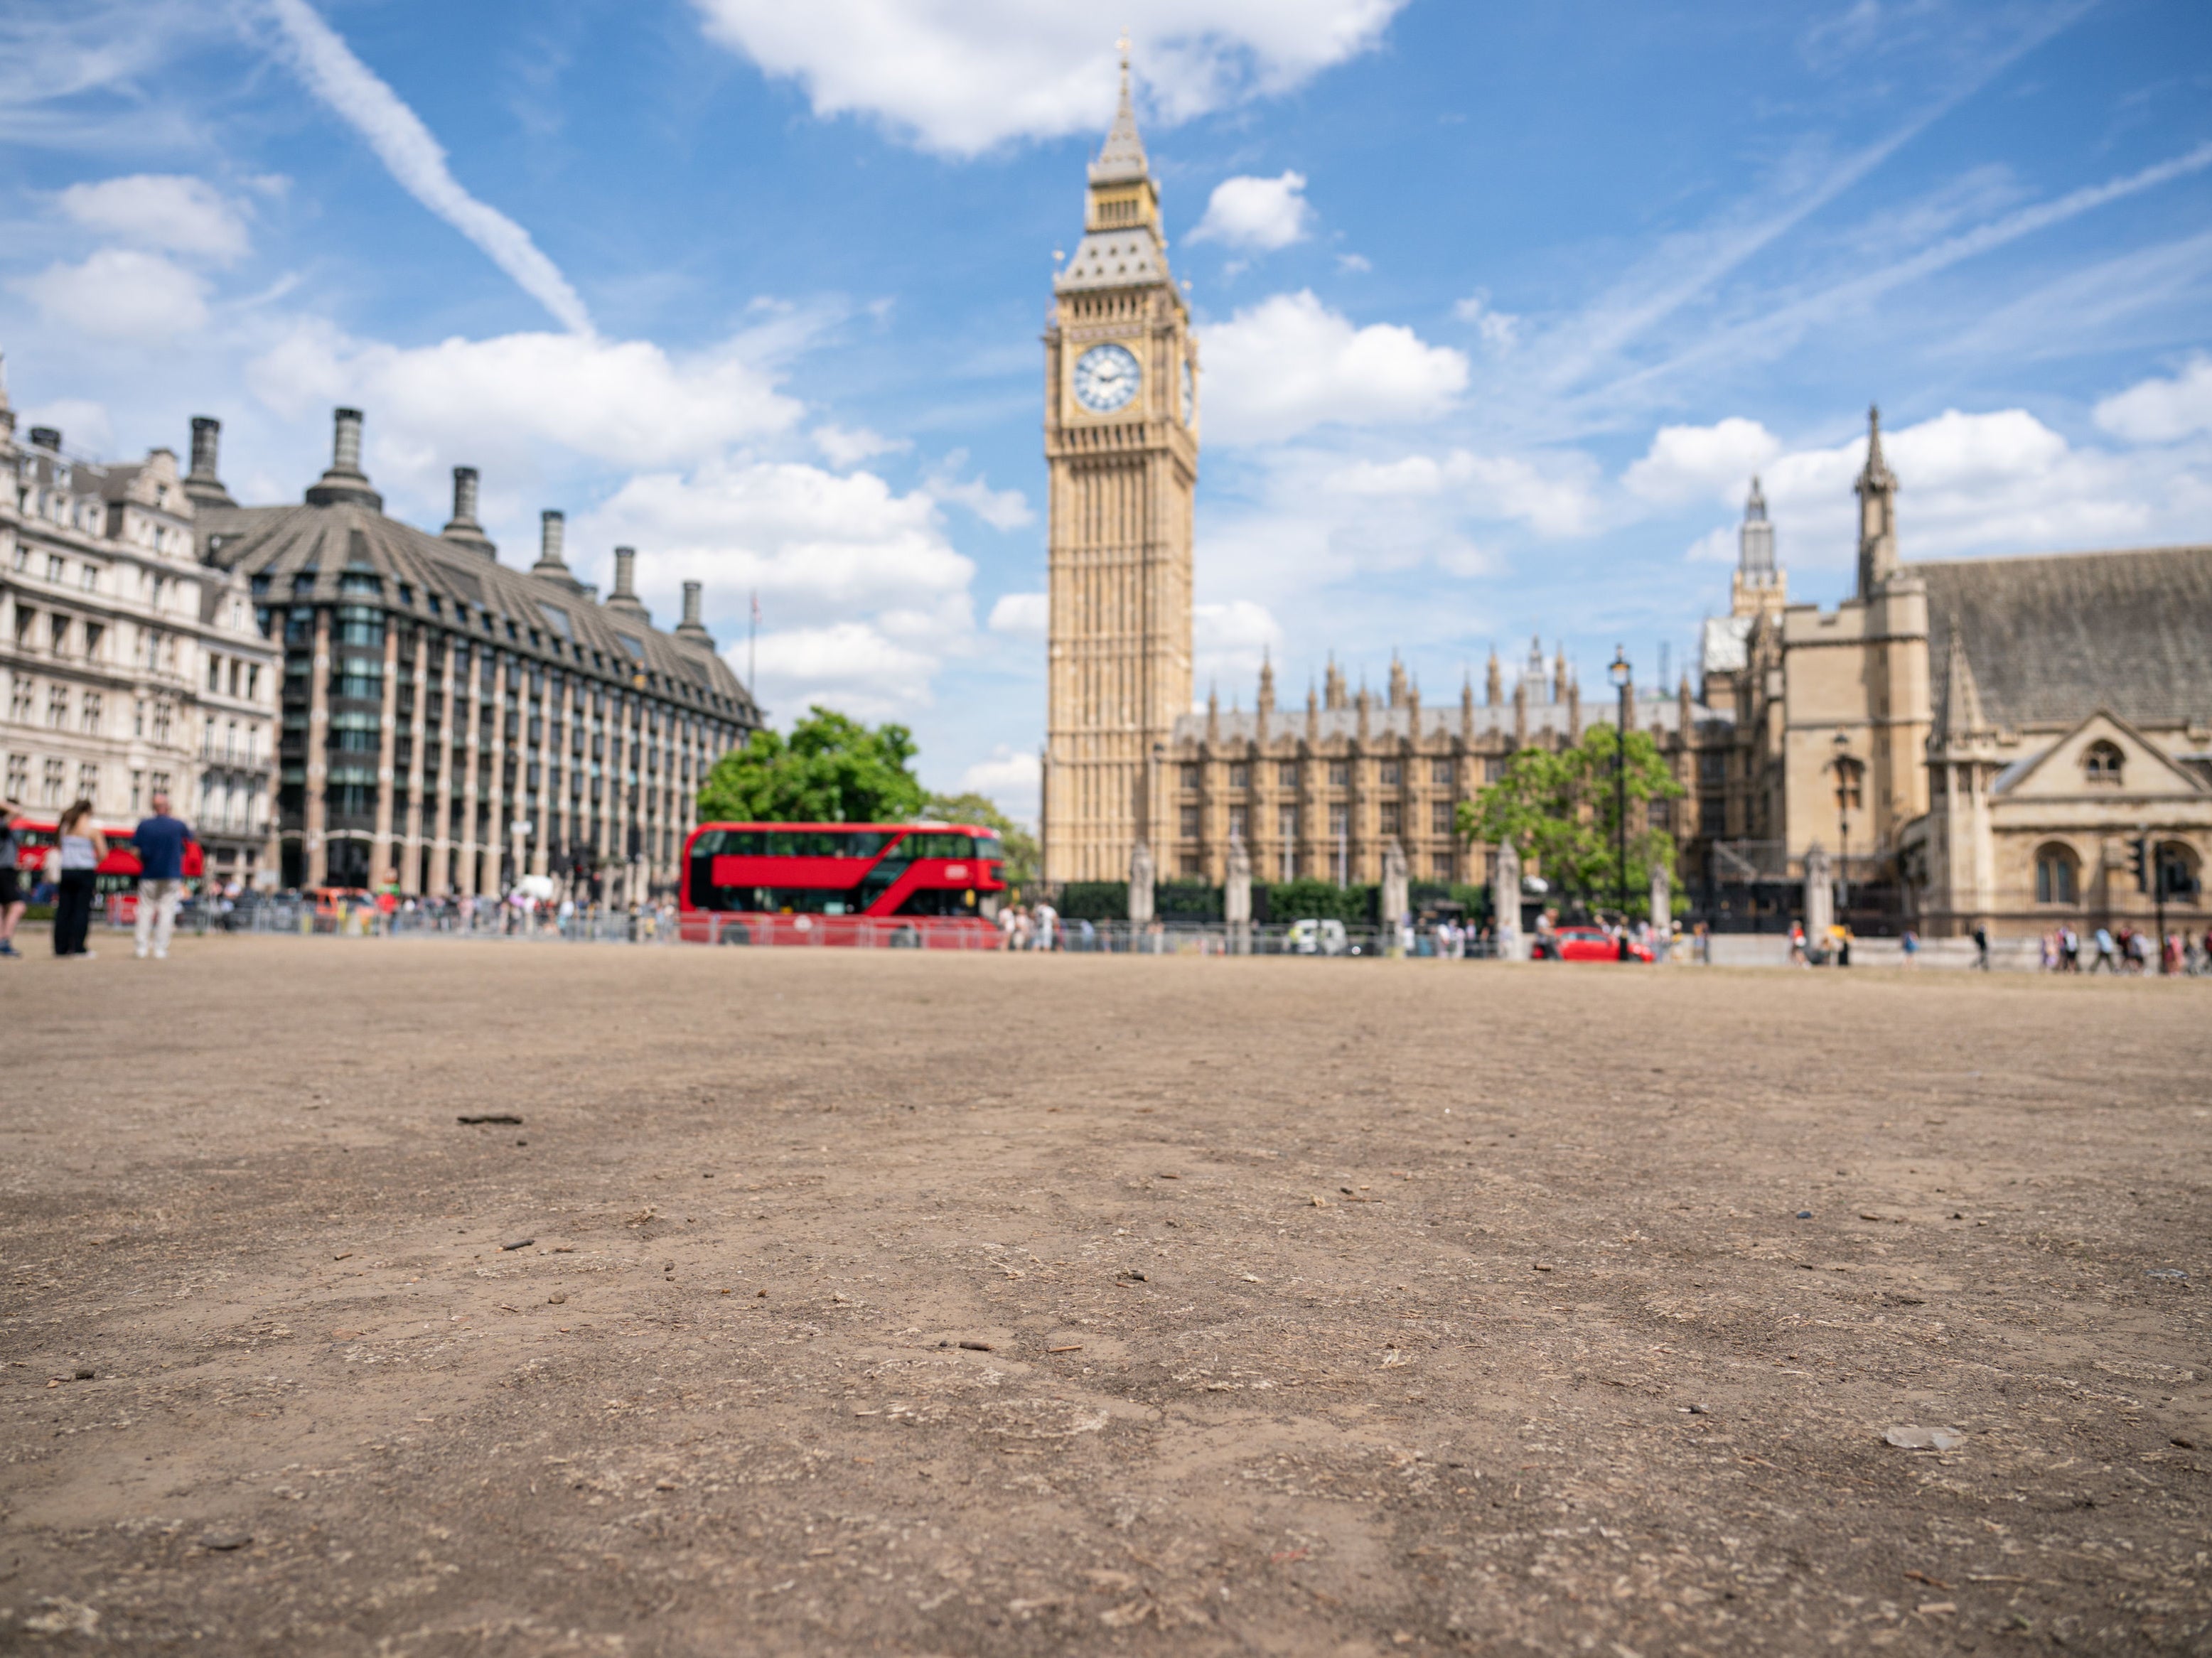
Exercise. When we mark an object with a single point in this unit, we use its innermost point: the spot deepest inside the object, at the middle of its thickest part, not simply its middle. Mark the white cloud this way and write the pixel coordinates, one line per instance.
(961, 75)
(1260, 214)
(167, 212)
(1552, 496)
(1009, 779)
(1358, 264)
(1022, 616)
(494, 402)
(122, 294)
(862, 598)
(2001, 482)
(1002, 509)
(415, 158)
(850, 446)
(1716, 546)
(1686, 463)
(2162, 410)
(1289, 364)
(1229, 641)
(84, 425)
(855, 667)
(1500, 330)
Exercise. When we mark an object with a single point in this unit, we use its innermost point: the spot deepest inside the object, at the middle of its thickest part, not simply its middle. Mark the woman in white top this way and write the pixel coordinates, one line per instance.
(78, 849)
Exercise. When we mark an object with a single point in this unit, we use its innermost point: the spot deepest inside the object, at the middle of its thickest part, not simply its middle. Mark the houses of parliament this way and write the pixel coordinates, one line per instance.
(1974, 743)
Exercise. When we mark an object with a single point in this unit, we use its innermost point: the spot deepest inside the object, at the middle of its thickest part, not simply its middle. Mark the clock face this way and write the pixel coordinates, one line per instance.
(1189, 392)
(1106, 378)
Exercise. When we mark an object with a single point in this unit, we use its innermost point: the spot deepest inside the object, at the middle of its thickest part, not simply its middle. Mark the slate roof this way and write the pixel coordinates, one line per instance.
(346, 551)
(2054, 638)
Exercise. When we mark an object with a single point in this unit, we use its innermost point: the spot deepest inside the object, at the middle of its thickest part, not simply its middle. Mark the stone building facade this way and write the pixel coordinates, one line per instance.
(1983, 738)
(1324, 792)
(1122, 446)
(129, 667)
(449, 723)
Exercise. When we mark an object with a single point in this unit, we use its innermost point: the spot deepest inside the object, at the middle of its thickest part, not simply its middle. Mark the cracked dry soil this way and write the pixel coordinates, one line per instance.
(890, 1303)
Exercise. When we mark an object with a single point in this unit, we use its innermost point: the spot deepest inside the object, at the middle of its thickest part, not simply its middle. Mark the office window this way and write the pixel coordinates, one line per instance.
(1440, 817)
(1389, 817)
(1390, 773)
(1240, 777)
(90, 709)
(1190, 823)
(1287, 773)
(1339, 774)
(1440, 772)
(1190, 777)
(52, 778)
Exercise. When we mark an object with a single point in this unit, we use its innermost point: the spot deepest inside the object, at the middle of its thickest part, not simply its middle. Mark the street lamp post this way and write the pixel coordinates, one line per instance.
(1845, 766)
(1619, 670)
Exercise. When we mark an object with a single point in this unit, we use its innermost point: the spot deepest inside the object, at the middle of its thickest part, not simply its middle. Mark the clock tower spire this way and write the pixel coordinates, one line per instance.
(1122, 446)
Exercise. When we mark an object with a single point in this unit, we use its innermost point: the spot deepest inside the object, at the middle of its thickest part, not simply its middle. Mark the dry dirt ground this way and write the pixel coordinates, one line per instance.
(842, 1303)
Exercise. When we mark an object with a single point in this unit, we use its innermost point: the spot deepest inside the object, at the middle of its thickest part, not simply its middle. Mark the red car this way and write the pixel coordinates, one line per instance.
(1595, 943)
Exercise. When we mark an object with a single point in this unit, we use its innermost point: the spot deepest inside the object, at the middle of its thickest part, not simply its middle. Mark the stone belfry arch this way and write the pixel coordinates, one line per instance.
(1120, 441)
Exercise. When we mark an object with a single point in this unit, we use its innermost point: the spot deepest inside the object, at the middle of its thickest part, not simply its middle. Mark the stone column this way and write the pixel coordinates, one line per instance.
(493, 781)
(1819, 897)
(410, 858)
(1505, 904)
(1662, 910)
(314, 806)
(379, 844)
(542, 820)
(1236, 898)
(465, 715)
(1141, 884)
(1396, 900)
(441, 842)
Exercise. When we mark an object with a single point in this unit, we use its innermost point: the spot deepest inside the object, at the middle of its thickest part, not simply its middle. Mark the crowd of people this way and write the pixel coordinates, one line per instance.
(80, 848)
(2124, 950)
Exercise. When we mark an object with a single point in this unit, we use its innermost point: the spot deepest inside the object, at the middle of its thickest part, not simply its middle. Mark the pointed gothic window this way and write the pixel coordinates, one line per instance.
(2103, 763)
(2058, 876)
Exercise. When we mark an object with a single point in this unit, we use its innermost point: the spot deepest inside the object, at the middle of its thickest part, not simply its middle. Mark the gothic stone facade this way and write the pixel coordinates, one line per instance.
(1121, 445)
(129, 666)
(1997, 729)
(1324, 792)
(449, 723)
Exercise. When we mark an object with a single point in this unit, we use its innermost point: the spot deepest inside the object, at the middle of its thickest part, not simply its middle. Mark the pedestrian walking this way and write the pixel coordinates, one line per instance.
(1981, 947)
(1911, 946)
(78, 849)
(160, 842)
(11, 878)
(2102, 940)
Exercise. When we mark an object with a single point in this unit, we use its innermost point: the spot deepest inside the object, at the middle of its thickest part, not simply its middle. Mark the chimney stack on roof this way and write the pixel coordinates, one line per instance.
(345, 483)
(625, 598)
(693, 628)
(552, 538)
(204, 483)
(464, 528)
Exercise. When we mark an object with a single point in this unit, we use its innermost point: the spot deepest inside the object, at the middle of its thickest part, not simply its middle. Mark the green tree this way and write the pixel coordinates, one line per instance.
(832, 770)
(1559, 809)
(1021, 846)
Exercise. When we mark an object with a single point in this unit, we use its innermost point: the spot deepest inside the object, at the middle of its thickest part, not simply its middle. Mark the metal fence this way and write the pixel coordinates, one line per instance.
(302, 917)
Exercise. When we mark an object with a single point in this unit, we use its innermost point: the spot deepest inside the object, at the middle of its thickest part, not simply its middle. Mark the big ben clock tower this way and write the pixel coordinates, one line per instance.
(1121, 437)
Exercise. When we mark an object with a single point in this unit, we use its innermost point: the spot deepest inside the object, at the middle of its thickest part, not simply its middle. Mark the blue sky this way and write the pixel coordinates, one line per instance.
(1498, 307)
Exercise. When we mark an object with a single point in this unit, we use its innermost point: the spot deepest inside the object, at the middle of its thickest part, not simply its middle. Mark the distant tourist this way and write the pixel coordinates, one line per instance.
(2102, 940)
(1910, 943)
(160, 842)
(1981, 947)
(78, 849)
(11, 878)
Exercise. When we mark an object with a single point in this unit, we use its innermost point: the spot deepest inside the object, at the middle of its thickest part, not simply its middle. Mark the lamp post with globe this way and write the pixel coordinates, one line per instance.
(1620, 674)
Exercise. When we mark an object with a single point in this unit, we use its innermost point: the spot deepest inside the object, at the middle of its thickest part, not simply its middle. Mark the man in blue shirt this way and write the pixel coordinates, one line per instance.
(160, 842)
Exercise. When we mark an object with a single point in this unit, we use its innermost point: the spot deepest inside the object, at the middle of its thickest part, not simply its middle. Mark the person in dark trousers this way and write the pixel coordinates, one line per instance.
(160, 842)
(11, 878)
(1982, 948)
(78, 849)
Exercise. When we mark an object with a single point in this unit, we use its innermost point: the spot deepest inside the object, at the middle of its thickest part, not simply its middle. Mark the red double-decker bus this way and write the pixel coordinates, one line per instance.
(925, 885)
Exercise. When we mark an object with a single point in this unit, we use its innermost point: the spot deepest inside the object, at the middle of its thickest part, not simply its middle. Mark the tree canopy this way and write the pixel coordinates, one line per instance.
(832, 770)
(1559, 809)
